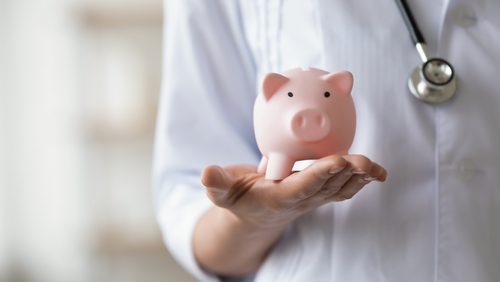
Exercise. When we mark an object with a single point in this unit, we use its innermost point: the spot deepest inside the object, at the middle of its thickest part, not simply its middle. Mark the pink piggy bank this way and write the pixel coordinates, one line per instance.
(300, 115)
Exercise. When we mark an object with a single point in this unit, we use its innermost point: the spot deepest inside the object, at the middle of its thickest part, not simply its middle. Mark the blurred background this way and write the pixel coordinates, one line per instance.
(79, 85)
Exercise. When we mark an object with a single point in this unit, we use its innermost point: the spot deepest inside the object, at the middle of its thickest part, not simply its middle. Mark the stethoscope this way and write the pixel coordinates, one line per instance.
(434, 81)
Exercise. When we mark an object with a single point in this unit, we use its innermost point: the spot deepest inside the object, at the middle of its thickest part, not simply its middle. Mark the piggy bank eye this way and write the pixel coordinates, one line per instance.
(290, 94)
(327, 94)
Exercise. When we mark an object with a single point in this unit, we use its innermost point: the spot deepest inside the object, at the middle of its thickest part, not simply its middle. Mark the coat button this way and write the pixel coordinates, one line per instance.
(463, 16)
(465, 170)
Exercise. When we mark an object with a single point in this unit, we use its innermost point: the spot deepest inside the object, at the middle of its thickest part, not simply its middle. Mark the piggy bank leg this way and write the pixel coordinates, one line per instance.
(263, 165)
(279, 166)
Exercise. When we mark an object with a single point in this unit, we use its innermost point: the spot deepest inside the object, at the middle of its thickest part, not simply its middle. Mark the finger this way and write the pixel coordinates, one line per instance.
(359, 163)
(364, 171)
(350, 188)
(304, 184)
(335, 183)
(216, 177)
(358, 181)
(383, 175)
(355, 164)
(375, 172)
(218, 183)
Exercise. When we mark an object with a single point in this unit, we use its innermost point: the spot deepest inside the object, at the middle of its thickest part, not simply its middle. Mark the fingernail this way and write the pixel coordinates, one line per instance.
(335, 169)
(357, 170)
(368, 177)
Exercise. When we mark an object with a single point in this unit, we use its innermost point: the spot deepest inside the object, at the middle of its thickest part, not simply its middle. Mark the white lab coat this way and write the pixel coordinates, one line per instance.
(437, 218)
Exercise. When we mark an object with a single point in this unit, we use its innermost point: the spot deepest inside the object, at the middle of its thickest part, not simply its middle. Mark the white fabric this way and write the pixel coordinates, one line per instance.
(435, 219)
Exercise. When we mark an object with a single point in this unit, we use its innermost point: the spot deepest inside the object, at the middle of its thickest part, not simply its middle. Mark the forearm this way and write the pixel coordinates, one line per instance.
(225, 244)
(234, 240)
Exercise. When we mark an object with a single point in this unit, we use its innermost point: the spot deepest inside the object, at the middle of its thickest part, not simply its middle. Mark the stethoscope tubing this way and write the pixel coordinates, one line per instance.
(411, 24)
(427, 89)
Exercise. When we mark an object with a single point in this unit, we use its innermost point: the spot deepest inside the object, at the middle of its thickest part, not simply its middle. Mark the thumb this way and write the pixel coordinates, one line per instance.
(218, 183)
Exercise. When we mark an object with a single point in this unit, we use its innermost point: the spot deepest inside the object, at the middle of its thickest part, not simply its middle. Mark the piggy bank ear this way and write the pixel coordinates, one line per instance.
(272, 82)
(341, 79)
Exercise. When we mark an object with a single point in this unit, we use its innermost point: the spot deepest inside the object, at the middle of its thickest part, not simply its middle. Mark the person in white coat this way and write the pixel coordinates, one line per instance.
(436, 218)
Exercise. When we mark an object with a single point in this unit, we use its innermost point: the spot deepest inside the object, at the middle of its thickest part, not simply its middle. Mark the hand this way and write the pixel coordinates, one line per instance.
(265, 202)
(251, 212)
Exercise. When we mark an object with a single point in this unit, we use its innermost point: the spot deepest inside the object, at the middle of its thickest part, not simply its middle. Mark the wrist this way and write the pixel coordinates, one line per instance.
(231, 245)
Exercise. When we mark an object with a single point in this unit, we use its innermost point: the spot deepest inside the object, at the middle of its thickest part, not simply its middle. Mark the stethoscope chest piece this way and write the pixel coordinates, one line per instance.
(433, 82)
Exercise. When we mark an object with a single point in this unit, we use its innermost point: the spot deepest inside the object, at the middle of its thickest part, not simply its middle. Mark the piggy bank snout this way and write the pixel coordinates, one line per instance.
(311, 125)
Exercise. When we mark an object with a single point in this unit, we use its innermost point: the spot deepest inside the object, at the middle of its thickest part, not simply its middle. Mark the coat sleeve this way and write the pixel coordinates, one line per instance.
(204, 116)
